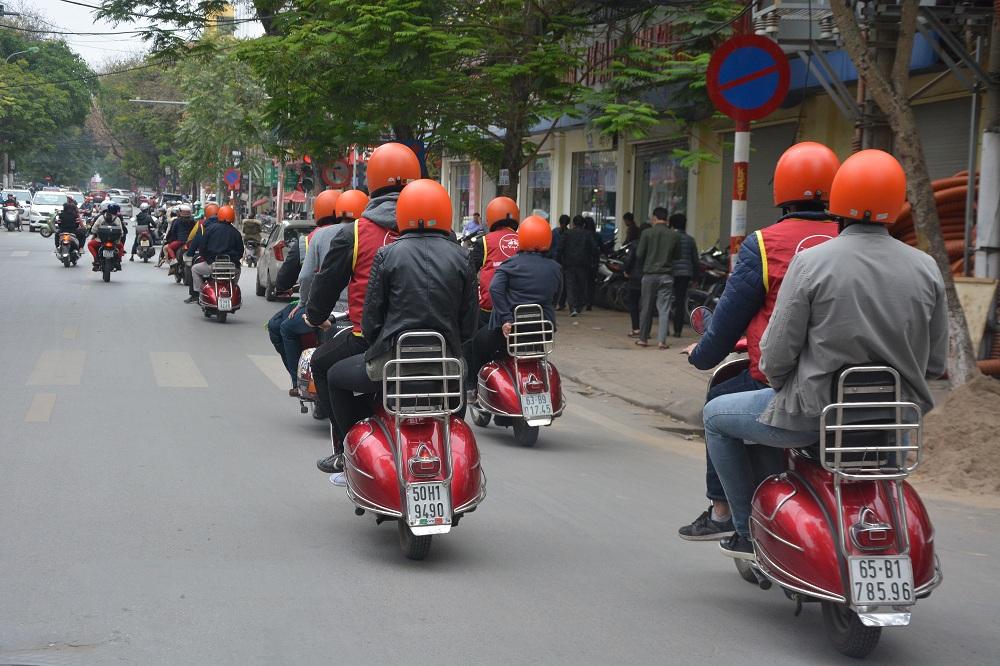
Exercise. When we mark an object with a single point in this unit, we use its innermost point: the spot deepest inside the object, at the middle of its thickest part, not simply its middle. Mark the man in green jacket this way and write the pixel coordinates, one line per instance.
(658, 248)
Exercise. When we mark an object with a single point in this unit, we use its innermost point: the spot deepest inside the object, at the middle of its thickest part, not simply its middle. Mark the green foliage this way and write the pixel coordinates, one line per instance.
(71, 159)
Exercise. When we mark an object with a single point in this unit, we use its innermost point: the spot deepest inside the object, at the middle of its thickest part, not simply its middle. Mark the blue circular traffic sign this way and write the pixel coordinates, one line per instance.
(748, 77)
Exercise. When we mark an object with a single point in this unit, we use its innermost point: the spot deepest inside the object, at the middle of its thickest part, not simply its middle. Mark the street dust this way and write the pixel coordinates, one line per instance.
(962, 440)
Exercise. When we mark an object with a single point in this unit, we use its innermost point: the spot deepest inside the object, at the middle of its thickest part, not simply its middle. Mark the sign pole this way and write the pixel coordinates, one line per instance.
(279, 211)
(741, 169)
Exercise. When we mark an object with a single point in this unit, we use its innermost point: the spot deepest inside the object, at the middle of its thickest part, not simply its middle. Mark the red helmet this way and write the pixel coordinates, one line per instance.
(870, 187)
(502, 209)
(351, 204)
(211, 210)
(325, 204)
(226, 214)
(804, 173)
(390, 165)
(534, 234)
(424, 204)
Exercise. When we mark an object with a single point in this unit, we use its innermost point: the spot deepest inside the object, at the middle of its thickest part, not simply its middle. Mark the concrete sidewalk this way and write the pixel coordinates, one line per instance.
(594, 350)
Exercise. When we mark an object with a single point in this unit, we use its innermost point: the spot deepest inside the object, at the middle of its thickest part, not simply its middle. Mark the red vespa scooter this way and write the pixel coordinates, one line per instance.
(415, 461)
(220, 295)
(841, 526)
(523, 389)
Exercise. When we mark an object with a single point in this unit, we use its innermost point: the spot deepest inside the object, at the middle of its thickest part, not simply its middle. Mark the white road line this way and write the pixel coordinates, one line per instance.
(273, 369)
(176, 370)
(69, 333)
(62, 367)
(19, 253)
(40, 410)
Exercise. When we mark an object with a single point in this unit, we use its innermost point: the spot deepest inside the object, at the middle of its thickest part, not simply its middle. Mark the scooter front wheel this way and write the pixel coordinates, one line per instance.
(524, 434)
(846, 631)
(414, 547)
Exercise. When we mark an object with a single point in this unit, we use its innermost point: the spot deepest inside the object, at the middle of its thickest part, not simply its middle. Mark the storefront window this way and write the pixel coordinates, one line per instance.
(594, 185)
(460, 190)
(660, 180)
(540, 186)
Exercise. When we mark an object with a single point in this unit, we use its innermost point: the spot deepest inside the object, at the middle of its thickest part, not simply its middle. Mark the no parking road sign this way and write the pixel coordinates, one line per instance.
(748, 77)
(232, 178)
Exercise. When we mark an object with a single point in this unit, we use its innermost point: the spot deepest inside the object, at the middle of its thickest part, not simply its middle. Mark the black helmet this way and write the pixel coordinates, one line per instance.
(114, 208)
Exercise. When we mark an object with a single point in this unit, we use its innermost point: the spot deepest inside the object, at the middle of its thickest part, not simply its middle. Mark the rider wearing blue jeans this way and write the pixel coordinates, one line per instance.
(862, 298)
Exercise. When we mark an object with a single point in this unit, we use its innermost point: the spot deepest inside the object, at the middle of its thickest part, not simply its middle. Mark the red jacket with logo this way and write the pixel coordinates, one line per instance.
(496, 247)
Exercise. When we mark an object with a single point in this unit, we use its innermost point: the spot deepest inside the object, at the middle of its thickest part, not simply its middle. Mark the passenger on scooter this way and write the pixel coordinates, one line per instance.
(143, 219)
(69, 222)
(802, 181)
(180, 228)
(110, 216)
(196, 240)
(422, 282)
(494, 248)
(220, 240)
(528, 278)
(287, 276)
(348, 264)
(861, 298)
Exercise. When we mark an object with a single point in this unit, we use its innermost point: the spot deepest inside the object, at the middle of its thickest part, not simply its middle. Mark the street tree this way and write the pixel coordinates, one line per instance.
(889, 91)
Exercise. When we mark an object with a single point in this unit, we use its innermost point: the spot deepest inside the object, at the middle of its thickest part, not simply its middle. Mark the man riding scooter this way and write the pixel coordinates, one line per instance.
(528, 278)
(422, 282)
(494, 248)
(143, 219)
(802, 181)
(177, 235)
(196, 239)
(348, 263)
(110, 216)
(69, 222)
(862, 298)
(220, 240)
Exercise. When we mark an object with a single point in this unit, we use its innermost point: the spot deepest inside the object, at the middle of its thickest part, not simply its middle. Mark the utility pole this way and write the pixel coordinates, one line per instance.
(988, 216)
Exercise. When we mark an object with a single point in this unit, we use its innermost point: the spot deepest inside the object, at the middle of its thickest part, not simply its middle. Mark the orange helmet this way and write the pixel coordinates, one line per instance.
(390, 165)
(804, 173)
(227, 214)
(534, 235)
(325, 204)
(502, 209)
(211, 210)
(871, 187)
(351, 204)
(424, 204)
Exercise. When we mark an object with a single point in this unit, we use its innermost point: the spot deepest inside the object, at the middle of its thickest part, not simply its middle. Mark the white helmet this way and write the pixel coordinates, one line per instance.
(104, 205)
(144, 206)
(184, 209)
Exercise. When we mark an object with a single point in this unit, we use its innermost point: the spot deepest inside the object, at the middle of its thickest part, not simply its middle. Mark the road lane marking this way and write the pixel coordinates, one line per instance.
(176, 370)
(62, 367)
(40, 410)
(69, 333)
(273, 369)
(19, 253)
(673, 443)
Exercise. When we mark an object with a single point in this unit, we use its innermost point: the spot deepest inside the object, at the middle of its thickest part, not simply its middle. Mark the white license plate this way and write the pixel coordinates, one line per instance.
(534, 405)
(109, 254)
(881, 580)
(144, 243)
(428, 504)
(225, 304)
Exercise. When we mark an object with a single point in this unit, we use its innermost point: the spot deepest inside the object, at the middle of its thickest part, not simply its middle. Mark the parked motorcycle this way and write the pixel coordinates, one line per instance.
(841, 527)
(220, 295)
(523, 389)
(713, 272)
(108, 258)
(612, 284)
(69, 248)
(146, 251)
(415, 461)
(12, 218)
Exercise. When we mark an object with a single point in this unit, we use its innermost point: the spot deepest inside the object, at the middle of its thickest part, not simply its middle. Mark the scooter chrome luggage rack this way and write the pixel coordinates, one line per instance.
(223, 268)
(531, 337)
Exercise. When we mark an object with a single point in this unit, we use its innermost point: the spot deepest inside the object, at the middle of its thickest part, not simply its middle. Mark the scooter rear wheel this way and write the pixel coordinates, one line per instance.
(222, 317)
(480, 417)
(414, 547)
(524, 434)
(846, 631)
(746, 573)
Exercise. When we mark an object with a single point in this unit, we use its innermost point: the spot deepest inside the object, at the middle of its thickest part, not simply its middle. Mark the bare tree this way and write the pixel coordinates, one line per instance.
(890, 93)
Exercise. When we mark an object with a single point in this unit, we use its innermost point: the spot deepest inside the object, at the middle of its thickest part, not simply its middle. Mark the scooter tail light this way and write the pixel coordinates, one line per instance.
(109, 245)
(424, 464)
(279, 250)
(870, 533)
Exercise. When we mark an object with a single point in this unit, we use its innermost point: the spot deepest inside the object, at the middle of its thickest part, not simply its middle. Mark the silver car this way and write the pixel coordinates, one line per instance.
(125, 203)
(273, 254)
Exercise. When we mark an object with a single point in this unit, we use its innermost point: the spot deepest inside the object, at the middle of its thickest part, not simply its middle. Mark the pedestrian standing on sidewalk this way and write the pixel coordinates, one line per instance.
(633, 271)
(657, 251)
(685, 269)
(576, 252)
(631, 230)
(557, 237)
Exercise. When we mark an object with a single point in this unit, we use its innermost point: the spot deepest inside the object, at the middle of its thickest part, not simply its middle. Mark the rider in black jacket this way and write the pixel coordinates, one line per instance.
(422, 282)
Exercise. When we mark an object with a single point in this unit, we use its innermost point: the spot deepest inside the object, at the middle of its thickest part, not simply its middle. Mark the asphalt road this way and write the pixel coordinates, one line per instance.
(159, 504)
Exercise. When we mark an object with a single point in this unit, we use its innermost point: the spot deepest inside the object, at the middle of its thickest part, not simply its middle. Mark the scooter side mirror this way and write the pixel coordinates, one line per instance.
(701, 316)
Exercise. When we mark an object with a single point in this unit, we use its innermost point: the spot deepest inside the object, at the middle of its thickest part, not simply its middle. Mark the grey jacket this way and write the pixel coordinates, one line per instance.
(319, 245)
(863, 297)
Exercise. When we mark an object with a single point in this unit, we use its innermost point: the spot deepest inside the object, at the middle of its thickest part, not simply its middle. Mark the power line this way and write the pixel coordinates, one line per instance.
(124, 32)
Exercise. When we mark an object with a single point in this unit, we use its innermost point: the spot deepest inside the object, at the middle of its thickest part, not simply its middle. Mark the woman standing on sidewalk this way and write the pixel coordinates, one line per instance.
(685, 270)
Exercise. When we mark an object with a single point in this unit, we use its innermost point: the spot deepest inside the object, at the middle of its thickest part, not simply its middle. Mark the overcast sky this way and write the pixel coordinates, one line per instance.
(98, 49)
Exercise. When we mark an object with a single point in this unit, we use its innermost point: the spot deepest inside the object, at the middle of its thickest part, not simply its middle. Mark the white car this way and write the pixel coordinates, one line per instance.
(44, 204)
(125, 203)
(24, 198)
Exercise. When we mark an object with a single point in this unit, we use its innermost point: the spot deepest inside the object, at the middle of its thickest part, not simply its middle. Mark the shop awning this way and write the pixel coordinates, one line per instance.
(261, 202)
(297, 196)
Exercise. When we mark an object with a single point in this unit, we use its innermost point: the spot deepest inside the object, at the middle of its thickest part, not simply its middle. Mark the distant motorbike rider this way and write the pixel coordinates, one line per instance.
(11, 201)
(68, 221)
(494, 248)
(221, 239)
(146, 220)
(422, 282)
(803, 177)
(348, 263)
(179, 230)
(110, 216)
(528, 278)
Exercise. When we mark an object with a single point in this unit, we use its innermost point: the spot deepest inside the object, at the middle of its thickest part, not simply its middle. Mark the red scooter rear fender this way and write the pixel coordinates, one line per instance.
(499, 394)
(212, 290)
(794, 525)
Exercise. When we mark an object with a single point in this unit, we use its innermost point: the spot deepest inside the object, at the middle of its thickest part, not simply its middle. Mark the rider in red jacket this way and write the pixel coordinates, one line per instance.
(494, 248)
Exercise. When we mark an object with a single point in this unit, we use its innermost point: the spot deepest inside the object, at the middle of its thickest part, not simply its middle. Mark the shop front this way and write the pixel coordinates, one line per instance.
(539, 188)
(595, 186)
(660, 181)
